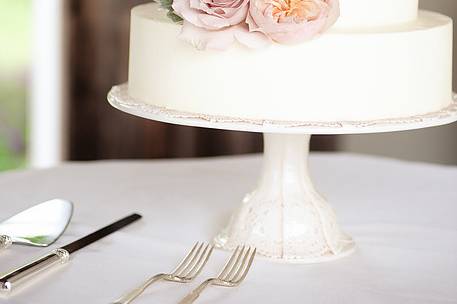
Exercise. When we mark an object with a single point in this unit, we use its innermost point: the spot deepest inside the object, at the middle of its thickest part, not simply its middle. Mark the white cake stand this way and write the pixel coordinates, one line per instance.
(285, 217)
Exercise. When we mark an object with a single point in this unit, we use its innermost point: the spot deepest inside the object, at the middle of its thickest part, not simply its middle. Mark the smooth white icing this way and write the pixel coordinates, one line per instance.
(360, 74)
(374, 13)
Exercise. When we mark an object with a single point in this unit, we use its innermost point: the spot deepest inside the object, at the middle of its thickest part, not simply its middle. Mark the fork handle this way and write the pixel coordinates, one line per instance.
(5, 242)
(194, 294)
(135, 293)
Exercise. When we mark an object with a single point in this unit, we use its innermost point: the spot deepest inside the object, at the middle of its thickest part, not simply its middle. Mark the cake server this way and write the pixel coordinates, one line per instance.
(60, 255)
(39, 226)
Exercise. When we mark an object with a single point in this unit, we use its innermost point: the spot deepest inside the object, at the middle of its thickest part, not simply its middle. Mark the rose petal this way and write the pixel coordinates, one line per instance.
(182, 8)
(222, 39)
(290, 29)
(251, 40)
(334, 14)
(211, 15)
(213, 22)
(204, 39)
(251, 23)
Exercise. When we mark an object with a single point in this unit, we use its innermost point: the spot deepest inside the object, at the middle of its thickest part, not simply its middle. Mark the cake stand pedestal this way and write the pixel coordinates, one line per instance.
(285, 217)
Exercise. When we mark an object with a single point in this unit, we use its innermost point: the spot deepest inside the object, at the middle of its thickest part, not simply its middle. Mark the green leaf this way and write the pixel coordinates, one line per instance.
(167, 4)
(171, 14)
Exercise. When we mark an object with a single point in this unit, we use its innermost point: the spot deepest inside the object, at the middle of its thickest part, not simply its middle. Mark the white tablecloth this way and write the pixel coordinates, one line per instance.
(403, 217)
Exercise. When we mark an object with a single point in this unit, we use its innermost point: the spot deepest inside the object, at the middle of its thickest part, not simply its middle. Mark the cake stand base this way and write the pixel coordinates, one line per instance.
(286, 219)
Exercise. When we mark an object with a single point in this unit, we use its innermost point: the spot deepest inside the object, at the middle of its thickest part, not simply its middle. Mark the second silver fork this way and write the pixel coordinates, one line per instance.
(189, 268)
(232, 275)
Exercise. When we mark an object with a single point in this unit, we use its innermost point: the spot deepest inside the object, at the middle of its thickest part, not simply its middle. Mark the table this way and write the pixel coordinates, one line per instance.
(402, 215)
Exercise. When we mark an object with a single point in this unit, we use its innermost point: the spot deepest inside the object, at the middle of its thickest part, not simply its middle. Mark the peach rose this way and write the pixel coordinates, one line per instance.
(292, 21)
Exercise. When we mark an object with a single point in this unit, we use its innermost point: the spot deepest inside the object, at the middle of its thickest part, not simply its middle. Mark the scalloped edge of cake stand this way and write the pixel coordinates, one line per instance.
(119, 98)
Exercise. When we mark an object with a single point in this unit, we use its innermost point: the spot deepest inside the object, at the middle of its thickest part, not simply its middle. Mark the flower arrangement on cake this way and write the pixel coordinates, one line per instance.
(216, 24)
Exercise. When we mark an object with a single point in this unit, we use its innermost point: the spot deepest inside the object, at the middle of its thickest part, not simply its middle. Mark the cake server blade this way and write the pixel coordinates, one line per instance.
(40, 225)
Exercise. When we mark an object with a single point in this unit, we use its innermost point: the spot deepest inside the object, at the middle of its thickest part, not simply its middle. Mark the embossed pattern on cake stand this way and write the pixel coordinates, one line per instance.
(285, 217)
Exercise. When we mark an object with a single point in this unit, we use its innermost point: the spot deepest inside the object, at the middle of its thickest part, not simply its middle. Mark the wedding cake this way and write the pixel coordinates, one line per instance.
(292, 60)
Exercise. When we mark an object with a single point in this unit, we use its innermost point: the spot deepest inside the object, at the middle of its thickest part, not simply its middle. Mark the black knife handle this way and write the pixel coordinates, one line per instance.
(21, 274)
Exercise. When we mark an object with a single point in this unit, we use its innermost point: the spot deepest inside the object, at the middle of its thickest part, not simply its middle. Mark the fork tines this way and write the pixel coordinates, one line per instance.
(192, 264)
(237, 267)
(187, 270)
(232, 275)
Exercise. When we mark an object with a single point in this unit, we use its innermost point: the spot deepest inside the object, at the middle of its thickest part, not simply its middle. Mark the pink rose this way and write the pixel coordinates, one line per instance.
(216, 24)
(292, 21)
(212, 14)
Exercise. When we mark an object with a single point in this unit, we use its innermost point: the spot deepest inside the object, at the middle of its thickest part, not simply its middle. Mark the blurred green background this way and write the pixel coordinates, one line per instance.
(15, 43)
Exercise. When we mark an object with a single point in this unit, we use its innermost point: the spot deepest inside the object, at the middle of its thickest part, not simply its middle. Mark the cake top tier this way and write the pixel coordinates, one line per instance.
(367, 13)
(217, 24)
(375, 13)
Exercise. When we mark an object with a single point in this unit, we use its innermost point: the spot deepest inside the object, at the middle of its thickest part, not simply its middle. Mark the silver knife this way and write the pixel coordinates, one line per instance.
(61, 255)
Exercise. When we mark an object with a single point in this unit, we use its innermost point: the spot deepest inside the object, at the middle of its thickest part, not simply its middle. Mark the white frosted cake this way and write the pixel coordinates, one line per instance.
(381, 59)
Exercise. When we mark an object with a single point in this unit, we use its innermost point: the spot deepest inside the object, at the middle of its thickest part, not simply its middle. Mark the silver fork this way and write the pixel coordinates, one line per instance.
(189, 268)
(232, 275)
